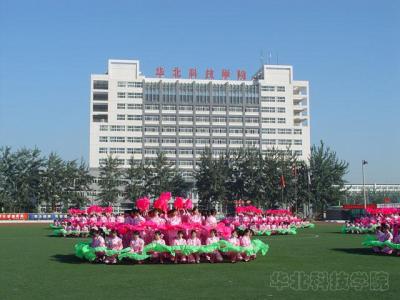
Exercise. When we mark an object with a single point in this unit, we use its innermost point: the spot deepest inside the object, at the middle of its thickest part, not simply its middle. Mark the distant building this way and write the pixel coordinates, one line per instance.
(136, 116)
(375, 187)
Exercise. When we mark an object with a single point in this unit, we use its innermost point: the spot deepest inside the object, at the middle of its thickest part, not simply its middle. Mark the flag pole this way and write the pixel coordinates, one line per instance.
(364, 162)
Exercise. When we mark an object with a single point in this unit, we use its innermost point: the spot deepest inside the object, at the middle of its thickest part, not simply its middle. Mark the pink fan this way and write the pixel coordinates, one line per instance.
(188, 204)
(143, 204)
(178, 203)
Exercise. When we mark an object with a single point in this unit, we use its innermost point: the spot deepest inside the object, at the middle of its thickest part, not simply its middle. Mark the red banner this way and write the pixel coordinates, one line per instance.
(358, 206)
(14, 216)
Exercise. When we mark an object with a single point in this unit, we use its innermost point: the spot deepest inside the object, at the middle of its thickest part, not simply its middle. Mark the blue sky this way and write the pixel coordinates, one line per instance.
(348, 50)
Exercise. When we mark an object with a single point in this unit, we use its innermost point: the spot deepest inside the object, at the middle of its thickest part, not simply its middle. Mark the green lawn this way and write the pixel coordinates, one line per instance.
(34, 265)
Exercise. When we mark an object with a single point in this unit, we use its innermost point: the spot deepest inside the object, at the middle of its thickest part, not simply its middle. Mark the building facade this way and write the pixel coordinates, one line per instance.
(136, 116)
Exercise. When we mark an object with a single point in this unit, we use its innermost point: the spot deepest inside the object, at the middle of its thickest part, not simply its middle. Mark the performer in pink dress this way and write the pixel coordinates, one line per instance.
(113, 242)
(136, 244)
(234, 240)
(193, 241)
(98, 241)
(179, 241)
(215, 256)
(387, 236)
(245, 241)
(158, 256)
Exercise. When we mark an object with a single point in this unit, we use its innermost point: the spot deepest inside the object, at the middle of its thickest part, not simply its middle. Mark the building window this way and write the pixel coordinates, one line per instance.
(219, 141)
(268, 88)
(169, 107)
(185, 151)
(117, 128)
(169, 118)
(297, 131)
(281, 120)
(103, 150)
(185, 119)
(298, 142)
(120, 105)
(251, 120)
(285, 142)
(103, 139)
(131, 139)
(281, 99)
(121, 95)
(236, 130)
(219, 108)
(152, 107)
(186, 107)
(284, 131)
(252, 131)
(268, 109)
(281, 110)
(252, 142)
(252, 109)
(202, 108)
(169, 129)
(269, 142)
(235, 142)
(117, 139)
(170, 151)
(132, 84)
(134, 128)
(151, 129)
(219, 130)
(203, 130)
(268, 130)
(186, 141)
(151, 140)
(235, 119)
(100, 84)
(236, 109)
(219, 119)
(103, 127)
(202, 141)
(268, 120)
(100, 96)
(117, 150)
(150, 151)
(121, 83)
(202, 119)
(186, 163)
(135, 95)
(168, 140)
(134, 117)
(186, 129)
(134, 106)
(268, 99)
(121, 117)
(280, 88)
(152, 118)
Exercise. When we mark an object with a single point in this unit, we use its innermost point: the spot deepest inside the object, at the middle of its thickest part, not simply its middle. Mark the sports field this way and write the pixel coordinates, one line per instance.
(318, 263)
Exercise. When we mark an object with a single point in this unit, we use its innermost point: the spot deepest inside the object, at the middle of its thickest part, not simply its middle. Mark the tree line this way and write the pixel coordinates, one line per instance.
(269, 180)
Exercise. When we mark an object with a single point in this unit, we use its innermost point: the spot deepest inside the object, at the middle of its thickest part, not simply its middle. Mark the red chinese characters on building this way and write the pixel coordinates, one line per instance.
(176, 72)
(160, 72)
(209, 74)
(241, 75)
(192, 73)
(225, 74)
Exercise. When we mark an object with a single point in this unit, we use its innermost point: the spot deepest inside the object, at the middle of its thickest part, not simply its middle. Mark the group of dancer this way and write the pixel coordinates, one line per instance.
(267, 222)
(387, 239)
(373, 219)
(181, 234)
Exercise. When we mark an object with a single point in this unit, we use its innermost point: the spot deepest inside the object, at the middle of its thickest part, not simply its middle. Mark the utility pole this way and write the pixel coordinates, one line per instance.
(363, 163)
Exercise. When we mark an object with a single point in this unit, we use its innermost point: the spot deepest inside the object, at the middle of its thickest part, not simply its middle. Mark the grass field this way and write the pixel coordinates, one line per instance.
(34, 265)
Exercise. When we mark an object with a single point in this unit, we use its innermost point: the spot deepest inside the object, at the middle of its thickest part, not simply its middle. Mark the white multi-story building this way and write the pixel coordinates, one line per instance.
(135, 116)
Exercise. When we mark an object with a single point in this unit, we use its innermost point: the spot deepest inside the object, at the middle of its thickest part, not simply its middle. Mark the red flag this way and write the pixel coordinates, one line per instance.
(282, 182)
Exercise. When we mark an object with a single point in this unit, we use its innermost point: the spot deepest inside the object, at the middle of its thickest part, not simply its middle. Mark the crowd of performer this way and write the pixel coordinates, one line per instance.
(267, 222)
(374, 218)
(135, 243)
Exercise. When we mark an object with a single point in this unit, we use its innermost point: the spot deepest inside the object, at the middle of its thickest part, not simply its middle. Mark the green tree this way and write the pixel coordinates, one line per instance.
(327, 172)
(110, 178)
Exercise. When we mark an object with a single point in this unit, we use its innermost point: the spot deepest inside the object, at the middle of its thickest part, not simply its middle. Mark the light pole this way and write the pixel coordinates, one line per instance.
(363, 163)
